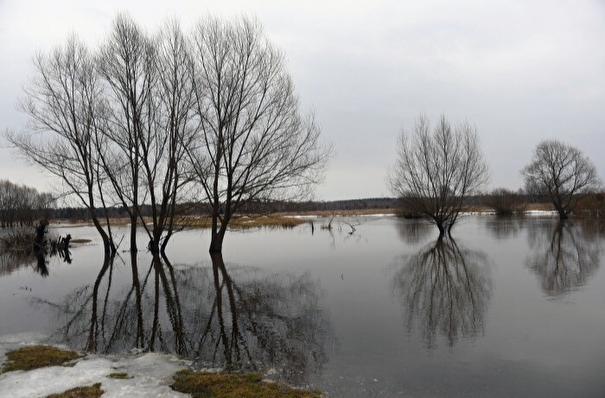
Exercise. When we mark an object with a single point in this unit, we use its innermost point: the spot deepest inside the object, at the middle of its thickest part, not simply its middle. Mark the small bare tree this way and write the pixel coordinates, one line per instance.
(253, 142)
(437, 170)
(561, 172)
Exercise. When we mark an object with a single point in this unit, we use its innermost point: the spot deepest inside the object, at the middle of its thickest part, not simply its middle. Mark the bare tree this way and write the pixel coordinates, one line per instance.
(164, 163)
(253, 143)
(62, 137)
(150, 124)
(126, 64)
(437, 170)
(561, 172)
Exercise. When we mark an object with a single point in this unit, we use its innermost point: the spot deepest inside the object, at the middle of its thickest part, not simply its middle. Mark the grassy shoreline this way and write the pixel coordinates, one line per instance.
(195, 384)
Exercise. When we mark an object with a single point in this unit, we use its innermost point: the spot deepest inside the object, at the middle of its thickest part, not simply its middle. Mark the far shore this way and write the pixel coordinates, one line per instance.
(283, 219)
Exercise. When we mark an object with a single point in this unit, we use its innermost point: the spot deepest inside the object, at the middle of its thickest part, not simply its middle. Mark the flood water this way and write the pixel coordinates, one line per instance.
(385, 309)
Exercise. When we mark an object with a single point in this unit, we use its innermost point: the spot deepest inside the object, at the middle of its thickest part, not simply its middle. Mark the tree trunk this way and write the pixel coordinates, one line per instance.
(562, 213)
(441, 229)
(216, 243)
(108, 244)
(133, 232)
(165, 242)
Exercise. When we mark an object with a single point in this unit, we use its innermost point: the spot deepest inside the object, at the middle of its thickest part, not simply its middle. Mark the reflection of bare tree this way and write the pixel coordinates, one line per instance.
(565, 258)
(273, 321)
(236, 320)
(110, 317)
(12, 261)
(446, 288)
(503, 227)
(414, 231)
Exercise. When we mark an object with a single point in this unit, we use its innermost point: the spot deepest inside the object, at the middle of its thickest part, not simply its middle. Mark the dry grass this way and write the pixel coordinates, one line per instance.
(274, 221)
(120, 376)
(287, 220)
(250, 385)
(93, 391)
(38, 356)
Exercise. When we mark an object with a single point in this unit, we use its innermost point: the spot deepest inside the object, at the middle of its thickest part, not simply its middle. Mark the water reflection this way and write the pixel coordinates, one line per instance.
(37, 259)
(221, 316)
(414, 231)
(503, 227)
(565, 255)
(275, 319)
(445, 288)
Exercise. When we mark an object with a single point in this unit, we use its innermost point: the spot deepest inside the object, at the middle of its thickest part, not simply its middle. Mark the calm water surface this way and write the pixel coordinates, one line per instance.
(506, 308)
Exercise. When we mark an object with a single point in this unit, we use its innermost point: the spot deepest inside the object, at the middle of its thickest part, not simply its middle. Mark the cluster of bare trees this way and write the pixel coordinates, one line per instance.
(22, 205)
(166, 118)
(438, 168)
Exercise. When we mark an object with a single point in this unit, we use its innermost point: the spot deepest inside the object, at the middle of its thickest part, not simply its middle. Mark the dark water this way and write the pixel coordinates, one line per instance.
(506, 308)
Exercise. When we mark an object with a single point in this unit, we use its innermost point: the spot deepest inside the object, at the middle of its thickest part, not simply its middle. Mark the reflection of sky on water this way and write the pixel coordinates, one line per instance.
(512, 341)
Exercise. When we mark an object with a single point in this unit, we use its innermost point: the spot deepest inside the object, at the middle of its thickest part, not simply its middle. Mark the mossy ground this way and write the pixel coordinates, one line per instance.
(120, 376)
(93, 391)
(38, 356)
(250, 385)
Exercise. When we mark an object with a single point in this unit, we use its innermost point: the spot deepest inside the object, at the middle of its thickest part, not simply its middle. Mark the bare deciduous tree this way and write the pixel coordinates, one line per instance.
(253, 144)
(62, 102)
(167, 174)
(561, 172)
(437, 170)
(126, 64)
(149, 123)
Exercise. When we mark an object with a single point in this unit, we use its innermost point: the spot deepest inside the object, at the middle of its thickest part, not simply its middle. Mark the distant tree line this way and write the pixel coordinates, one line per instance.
(21, 205)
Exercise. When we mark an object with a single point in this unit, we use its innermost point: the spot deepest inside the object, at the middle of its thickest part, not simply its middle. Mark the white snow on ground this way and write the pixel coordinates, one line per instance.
(540, 213)
(151, 374)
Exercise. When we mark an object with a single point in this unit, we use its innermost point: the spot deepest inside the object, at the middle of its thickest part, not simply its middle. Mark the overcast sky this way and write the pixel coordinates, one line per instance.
(520, 71)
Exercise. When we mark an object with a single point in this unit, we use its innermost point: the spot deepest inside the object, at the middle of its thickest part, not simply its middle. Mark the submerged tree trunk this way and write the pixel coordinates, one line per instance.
(133, 232)
(562, 213)
(216, 243)
(109, 246)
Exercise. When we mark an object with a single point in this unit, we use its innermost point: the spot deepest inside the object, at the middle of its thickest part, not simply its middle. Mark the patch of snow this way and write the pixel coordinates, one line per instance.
(540, 213)
(151, 374)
